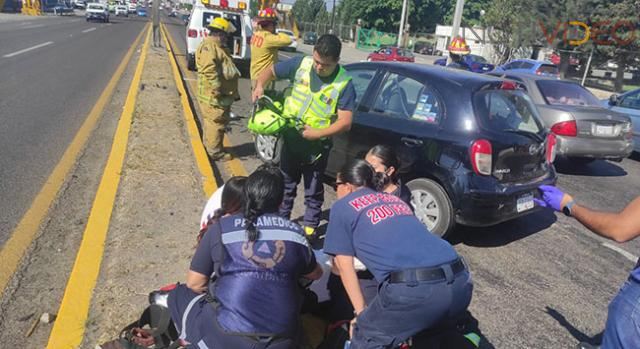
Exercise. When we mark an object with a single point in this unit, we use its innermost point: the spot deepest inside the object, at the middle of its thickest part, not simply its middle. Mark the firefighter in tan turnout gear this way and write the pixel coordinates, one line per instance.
(217, 86)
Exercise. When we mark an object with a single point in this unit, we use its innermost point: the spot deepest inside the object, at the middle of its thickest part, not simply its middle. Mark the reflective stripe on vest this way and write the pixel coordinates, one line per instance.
(314, 109)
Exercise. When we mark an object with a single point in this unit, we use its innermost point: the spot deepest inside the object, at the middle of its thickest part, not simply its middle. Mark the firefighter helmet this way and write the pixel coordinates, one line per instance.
(267, 15)
(459, 46)
(222, 25)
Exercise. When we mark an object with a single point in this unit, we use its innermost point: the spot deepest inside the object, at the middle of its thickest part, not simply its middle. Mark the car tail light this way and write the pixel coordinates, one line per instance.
(192, 33)
(508, 85)
(551, 148)
(481, 155)
(565, 128)
(224, 3)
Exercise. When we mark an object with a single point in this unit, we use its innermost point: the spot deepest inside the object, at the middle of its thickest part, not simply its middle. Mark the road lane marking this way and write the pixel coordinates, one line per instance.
(33, 26)
(624, 253)
(68, 329)
(202, 159)
(28, 49)
(28, 227)
(89, 30)
(234, 167)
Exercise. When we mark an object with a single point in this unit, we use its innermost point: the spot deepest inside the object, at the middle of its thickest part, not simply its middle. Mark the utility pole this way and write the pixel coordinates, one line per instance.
(155, 10)
(457, 18)
(402, 21)
(333, 15)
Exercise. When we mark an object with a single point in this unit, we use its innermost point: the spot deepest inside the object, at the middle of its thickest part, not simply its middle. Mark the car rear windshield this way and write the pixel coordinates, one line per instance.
(506, 110)
(548, 69)
(566, 93)
(96, 7)
(207, 17)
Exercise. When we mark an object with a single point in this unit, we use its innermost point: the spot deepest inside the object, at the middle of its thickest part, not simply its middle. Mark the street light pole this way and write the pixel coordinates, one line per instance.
(457, 18)
(402, 20)
(333, 15)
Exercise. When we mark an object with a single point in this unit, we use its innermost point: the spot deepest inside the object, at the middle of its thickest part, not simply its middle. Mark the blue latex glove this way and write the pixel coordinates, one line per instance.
(551, 197)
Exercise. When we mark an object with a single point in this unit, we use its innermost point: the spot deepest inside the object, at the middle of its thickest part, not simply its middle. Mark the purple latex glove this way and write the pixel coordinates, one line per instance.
(551, 197)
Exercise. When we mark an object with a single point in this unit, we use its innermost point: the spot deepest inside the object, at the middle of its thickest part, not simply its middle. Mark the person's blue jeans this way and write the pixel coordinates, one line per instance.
(401, 310)
(623, 321)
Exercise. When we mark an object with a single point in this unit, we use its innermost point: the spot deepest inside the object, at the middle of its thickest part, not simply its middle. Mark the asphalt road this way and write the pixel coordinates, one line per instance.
(52, 69)
(541, 281)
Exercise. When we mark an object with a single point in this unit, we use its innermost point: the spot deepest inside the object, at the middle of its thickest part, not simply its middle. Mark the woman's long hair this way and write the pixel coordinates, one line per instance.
(231, 201)
(263, 193)
(388, 158)
(361, 174)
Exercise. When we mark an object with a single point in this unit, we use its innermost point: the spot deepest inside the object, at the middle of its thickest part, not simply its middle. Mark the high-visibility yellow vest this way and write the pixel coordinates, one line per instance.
(318, 109)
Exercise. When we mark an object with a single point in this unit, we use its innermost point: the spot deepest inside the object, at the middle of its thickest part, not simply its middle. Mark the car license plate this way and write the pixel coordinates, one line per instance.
(525, 202)
(604, 130)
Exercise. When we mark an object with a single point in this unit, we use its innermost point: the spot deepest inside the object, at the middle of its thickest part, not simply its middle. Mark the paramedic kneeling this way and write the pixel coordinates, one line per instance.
(423, 281)
(258, 257)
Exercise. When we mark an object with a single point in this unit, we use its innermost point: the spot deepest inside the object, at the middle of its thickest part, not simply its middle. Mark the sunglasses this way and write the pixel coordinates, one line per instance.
(336, 184)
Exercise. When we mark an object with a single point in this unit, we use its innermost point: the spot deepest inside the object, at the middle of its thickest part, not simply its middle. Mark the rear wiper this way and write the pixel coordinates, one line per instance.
(529, 134)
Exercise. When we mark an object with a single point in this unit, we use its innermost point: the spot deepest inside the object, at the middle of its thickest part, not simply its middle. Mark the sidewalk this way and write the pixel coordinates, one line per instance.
(156, 216)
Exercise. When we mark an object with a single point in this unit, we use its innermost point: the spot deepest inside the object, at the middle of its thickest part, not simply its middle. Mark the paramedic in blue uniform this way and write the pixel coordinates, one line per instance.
(304, 155)
(258, 258)
(423, 281)
(623, 320)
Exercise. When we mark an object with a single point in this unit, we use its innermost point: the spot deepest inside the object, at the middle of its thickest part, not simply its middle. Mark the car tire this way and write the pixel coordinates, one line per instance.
(432, 206)
(268, 148)
(191, 62)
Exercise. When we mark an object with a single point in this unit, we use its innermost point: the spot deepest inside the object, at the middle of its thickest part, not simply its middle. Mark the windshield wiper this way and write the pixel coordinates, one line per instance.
(529, 134)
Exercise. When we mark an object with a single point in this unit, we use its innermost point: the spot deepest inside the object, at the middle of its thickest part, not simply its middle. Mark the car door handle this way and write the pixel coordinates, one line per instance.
(411, 142)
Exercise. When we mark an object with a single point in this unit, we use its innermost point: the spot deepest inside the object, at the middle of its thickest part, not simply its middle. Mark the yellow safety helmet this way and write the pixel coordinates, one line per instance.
(222, 24)
(459, 46)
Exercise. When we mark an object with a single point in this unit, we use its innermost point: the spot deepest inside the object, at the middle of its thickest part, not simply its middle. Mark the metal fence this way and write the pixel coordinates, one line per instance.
(344, 32)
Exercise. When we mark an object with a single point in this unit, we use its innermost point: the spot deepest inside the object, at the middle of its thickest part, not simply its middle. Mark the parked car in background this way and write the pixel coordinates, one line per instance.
(584, 129)
(529, 66)
(132, 8)
(142, 12)
(424, 48)
(629, 104)
(294, 43)
(555, 59)
(80, 4)
(122, 10)
(185, 18)
(62, 9)
(477, 64)
(391, 54)
(309, 38)
(97, 11)
(472, 147)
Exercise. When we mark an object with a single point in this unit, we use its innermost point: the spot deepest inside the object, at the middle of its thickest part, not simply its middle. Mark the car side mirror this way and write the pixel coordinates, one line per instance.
(613, 99)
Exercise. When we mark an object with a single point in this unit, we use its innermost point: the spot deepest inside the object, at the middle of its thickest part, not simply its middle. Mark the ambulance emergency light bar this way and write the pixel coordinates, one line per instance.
(225, 4)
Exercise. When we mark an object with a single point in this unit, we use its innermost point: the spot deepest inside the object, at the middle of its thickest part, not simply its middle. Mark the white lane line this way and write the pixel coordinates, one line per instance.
(89, 30)
(626, 254)
(33, 26)
(28, 49)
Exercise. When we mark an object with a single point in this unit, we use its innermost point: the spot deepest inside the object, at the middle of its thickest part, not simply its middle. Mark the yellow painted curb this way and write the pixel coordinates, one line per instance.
(202, 159)
(69, 327)
(234, 167)
(26, 230)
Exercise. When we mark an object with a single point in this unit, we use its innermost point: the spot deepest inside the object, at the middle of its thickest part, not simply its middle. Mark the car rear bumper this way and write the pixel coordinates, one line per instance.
(96, 15)
(481, 208)
(594, 147)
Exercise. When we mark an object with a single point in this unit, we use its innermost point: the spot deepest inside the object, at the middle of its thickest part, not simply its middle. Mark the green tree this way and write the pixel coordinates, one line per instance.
(512, 27)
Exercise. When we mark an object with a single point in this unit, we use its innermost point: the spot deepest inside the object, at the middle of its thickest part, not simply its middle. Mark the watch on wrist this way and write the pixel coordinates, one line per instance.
(567, 208)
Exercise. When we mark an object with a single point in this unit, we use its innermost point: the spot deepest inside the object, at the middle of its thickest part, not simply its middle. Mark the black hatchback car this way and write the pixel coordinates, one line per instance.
(472, 148)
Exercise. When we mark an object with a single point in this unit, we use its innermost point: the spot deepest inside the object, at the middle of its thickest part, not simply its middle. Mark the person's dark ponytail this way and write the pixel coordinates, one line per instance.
(263, 193)
(361, 174)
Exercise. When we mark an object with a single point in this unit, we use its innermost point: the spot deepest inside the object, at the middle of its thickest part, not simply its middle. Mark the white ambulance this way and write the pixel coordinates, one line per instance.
(234, 11)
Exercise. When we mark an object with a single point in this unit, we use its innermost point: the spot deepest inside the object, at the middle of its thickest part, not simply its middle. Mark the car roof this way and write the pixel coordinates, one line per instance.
(435, 72)
(534, 77)
(534, 61)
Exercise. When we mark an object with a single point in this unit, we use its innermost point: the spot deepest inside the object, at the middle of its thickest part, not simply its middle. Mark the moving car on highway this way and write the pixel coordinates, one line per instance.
(122, 10)
(309, 38)
(477, 64)
(391, 54)
(529, 66)
(584, 129)
(142, 12)
(472, 147)
(97, 11)
(294, 43)
(235, 12)
(628, 103)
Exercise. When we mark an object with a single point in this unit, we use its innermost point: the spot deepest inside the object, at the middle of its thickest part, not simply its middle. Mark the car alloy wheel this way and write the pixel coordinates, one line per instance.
(268, 148)
(431, 205)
